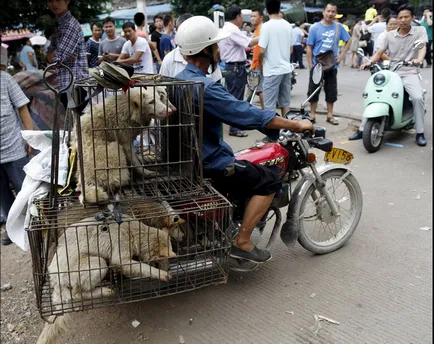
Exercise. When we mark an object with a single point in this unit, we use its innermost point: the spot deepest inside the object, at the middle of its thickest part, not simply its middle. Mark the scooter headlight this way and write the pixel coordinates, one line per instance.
(379, 79)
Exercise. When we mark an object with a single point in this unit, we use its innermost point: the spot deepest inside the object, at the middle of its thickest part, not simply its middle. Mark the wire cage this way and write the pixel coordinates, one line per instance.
(142, 143)
(83, 259)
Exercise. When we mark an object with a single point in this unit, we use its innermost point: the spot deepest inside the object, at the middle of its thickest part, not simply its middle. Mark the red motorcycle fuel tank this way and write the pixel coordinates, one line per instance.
(271, 154)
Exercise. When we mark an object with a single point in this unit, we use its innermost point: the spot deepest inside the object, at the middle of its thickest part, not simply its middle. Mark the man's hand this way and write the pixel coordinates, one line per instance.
(29, 149)
(304, 125)
(364, 65)
(416, 62)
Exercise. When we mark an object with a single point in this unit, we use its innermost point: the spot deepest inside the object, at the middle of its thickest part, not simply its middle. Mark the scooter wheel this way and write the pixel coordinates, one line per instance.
(372, 136)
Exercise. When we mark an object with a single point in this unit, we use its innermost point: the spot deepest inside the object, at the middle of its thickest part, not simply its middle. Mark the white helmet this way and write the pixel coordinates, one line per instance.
(197, 33)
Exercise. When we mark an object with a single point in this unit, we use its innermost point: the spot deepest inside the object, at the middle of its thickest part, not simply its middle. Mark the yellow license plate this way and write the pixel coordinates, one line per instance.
(338, 155)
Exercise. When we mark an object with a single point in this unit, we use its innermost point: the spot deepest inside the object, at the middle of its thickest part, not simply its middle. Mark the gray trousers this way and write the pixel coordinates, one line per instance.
(412, 86)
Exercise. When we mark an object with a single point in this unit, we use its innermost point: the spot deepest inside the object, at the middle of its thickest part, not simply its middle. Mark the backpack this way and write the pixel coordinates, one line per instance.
(365, 35)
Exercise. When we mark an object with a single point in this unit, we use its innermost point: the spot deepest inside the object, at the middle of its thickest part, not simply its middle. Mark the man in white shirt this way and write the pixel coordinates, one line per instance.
(378, 25)
(233, 54)
(174, 62)
(297, 38)
(136, 51)
(275, 42)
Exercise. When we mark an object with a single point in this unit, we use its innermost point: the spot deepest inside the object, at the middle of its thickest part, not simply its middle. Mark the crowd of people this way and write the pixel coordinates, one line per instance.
(198, 51)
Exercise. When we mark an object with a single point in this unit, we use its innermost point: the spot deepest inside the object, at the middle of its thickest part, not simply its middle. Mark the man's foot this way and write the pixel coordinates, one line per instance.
(255, 255)
(420, 140)
(356, 136)
(5, 239)
(238, 133)
(332, 120)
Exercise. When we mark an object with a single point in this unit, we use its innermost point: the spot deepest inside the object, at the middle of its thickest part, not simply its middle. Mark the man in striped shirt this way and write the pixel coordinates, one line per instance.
(68, 46)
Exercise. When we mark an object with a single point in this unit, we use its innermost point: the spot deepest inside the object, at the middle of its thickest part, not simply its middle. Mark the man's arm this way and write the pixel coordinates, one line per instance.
(67, 46)
(309, 55)
(25, 117)
(130, 60)
(32, 58)
(344, 51)
(253, 41)
(420, 55)
(282, 123)
(261, 58)
(428, 19)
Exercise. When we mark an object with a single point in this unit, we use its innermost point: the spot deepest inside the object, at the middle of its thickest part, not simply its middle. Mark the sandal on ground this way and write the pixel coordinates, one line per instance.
(238, 133)
(313, 121)
(255, 256)
(333, 121)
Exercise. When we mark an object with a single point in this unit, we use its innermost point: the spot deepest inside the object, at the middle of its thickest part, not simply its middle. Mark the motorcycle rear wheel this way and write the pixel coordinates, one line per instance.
(315, 214)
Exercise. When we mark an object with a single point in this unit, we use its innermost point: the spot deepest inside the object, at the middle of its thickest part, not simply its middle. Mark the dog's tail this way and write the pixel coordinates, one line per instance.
(52, 331)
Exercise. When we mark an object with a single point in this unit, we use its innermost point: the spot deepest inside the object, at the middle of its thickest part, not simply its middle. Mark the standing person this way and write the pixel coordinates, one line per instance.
(92, 45)
(355, 39)
(378, 25)
(156, 38)
(427, 24)
(27, 56)
(344, 22)
(233, 54)
(167, 43)
(139, 20)
(13, 150)
(370, 13)
(257, 19)
(69, 47)
(110, 48)
(297, 38)
(324, 36)
(275, 44)
(136, 50)
(400, 46)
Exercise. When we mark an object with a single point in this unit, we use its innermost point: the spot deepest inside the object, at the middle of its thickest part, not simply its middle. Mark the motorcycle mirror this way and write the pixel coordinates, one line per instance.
(317, 73)
(360, 52)
(419, 44)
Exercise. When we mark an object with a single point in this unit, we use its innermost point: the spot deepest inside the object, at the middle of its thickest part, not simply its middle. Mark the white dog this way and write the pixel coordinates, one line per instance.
(107, 132)
(85, 252)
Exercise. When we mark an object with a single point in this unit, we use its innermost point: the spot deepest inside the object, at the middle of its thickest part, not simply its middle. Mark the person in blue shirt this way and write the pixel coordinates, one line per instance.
(325, 36)
(28, 56)
(197, 40)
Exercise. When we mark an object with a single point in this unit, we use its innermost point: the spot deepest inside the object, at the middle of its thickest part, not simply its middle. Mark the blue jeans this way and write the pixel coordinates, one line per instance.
(11, 172)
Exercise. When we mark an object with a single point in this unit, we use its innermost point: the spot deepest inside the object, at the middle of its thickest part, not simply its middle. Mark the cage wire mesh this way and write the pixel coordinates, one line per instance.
(82, 259)
(143, 143)
(174, 231)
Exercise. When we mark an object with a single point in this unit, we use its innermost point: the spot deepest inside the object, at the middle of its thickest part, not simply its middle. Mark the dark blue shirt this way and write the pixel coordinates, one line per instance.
(165, 44)
(219, 107)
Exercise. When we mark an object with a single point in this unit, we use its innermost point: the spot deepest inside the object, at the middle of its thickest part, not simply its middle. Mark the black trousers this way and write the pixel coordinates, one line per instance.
(428, 53)
(297, 56)
(236, 80)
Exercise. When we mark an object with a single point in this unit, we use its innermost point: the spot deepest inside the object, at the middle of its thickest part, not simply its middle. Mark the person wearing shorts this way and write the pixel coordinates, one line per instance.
(275, 44)
(322, 38)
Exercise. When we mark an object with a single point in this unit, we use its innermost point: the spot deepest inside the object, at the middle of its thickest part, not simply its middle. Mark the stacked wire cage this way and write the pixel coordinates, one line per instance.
(141, 222)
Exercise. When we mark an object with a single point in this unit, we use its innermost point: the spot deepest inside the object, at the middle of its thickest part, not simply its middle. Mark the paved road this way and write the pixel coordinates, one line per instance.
(379, 286)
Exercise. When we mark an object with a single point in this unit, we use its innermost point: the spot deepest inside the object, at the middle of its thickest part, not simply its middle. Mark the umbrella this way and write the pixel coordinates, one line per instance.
(38, 40)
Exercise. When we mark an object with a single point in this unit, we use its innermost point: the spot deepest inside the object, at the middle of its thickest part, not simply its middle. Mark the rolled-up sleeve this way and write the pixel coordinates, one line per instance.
(221, 104)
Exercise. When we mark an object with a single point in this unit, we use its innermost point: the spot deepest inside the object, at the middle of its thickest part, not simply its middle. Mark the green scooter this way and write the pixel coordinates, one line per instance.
(387, 104)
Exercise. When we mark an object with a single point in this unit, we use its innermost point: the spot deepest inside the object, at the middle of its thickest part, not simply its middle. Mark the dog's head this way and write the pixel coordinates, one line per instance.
(152, 101)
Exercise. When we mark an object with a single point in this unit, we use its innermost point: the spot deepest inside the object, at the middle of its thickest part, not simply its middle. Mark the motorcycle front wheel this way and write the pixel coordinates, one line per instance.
(372, 136)
(320, 231)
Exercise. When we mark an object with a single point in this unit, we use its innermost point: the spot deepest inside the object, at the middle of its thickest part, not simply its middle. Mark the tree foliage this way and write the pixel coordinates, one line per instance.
(35, 13)
(202, 7)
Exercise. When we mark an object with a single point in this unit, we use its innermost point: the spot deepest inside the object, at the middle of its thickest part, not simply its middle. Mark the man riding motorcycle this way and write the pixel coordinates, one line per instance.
(197, 39)
(399, 43)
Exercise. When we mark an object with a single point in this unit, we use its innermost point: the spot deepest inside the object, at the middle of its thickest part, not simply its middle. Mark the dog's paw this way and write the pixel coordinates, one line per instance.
(165, 276)
(93, 195)
(107, 292)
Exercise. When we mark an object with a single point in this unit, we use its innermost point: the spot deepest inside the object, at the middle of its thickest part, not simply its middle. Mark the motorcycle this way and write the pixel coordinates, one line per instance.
(387, 104)
(326, 198)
